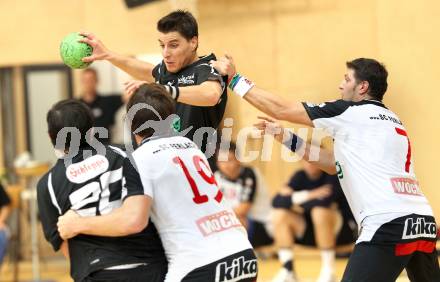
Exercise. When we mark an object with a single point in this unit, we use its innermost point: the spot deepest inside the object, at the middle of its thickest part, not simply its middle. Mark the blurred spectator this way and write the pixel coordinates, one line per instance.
(103, 108)
(310, 210)
(4, 213)
(244, 191)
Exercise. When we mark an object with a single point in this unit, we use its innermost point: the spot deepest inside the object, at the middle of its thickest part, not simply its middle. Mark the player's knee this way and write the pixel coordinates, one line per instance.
(322, 215)
(280, 216)
(282, 202)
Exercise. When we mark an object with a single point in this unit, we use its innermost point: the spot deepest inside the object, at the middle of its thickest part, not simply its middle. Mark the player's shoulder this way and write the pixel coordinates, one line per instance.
(58, 170)
(88, 164)
(170, 140)
(205, 59)
(338, 107)
(203, 62)
(327, 109)
(248, 176)
(248, 171)
(117, 151)
(158, 69)
(43, 181)
(368, 102)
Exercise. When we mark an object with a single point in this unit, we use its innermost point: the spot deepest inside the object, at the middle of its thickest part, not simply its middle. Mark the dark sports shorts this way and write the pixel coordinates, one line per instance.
(154, 272)
(241, 267)
(346, 235)
(257, 234)
(407, 242)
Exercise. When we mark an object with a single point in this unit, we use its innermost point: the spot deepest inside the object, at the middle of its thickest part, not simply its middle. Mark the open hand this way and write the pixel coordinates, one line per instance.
(270, 126)
(100, 52)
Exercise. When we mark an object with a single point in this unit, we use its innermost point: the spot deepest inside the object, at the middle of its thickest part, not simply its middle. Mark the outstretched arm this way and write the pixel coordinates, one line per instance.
(326, 159)
(134, 67)
(206, 94)
(277, 107)
(273, 105)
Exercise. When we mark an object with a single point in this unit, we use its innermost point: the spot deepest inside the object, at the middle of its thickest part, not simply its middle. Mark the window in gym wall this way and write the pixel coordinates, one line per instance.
(44, 86)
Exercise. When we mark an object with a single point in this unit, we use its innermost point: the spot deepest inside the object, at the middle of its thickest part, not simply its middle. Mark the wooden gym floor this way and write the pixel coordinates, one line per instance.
(55, 268)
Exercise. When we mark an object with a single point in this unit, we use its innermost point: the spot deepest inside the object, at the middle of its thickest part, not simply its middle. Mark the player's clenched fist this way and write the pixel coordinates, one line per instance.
(67, 225)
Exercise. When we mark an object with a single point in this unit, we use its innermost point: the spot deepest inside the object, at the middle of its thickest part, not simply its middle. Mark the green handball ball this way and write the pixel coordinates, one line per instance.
(72, 51)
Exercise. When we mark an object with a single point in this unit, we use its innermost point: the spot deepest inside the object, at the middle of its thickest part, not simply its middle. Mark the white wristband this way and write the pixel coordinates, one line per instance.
(300, 197)
(240, 85)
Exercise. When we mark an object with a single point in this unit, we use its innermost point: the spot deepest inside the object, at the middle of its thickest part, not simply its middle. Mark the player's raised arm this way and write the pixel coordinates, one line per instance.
(273, 105)
(138, 69)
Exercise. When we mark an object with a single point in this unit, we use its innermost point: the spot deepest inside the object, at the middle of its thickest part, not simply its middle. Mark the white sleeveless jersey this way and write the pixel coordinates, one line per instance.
(195, 227)
(373, 157)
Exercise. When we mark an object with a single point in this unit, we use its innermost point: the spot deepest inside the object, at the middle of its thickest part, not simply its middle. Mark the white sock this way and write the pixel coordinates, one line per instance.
(285, 255)
(328, 261)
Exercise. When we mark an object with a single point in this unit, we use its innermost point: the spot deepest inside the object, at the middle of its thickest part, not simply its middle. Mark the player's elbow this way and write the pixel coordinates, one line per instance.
(212, 98)
(136, 223)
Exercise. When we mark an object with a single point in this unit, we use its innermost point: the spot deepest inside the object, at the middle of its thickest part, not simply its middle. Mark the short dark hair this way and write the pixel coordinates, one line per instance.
(372, 71)
(181, 21)
(91, 70)
(69, 113)
(158, 98)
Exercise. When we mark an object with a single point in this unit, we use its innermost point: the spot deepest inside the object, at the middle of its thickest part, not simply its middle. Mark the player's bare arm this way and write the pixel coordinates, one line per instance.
(130, 218)
(326, 159)
(273, 105)
(206, 94)
(277, 107)
(138, 69)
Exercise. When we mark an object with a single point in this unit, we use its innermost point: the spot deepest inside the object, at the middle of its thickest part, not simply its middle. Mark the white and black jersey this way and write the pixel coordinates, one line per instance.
(93, 185)
(246, 188)
(373, 158)
(195, 74)
(188, 209)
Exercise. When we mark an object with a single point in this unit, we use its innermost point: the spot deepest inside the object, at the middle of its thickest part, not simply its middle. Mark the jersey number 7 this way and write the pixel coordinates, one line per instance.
(199, 198)
(408, 154)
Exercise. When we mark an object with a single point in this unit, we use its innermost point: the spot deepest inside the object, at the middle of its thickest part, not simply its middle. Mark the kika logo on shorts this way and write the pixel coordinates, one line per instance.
(419, 227)
(406, 186)
(239, 269)
(217, 222)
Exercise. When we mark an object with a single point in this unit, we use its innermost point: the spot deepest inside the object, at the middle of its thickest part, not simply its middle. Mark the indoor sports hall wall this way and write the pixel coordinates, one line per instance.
(296, 48)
